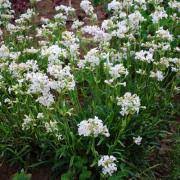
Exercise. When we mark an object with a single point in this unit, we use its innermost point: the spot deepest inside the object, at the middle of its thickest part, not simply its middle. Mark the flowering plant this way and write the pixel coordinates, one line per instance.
(89, 100)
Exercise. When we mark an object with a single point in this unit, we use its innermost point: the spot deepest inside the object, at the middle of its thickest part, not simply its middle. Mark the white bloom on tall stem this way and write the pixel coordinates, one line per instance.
(158, 75)
(47, 99)
(97, 33)
(135, 19)
(117, 71)
(129, 103)
(40, 116)
(174, 4)
(146, 56)
(4, 51)
(114, 5)
(164, 34)
(65, 9)
(92, 127)
(76, 24)
(92, 57)
(137, 140)
(108, 164)
(27, 123)
(159, 14)
(52, 128)
(87, 7)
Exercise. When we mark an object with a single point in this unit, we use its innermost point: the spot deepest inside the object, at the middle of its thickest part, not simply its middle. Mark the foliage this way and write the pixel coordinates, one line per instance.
(89, 101)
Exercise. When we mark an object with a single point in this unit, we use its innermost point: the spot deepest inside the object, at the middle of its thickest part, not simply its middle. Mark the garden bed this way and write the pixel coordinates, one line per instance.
(88, 92)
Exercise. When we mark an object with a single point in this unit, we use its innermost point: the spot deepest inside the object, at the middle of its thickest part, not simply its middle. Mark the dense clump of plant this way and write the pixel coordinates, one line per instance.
(89, 100)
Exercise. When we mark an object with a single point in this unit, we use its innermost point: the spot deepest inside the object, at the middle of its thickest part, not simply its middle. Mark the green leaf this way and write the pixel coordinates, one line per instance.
(67, 176)
(85, 175)
(21, 176)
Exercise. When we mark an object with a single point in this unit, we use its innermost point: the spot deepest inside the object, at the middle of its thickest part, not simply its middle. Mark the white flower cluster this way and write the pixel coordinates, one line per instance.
(97, 33)
(25, 17)
(118, 70)
(159, 14)
(174, 4)
(114, 5)
(70, 41)
(92, 127)
(115, 72)
(146, 56)
(129, 103)
(108, 164)
(87, 7)
(6, 13)
(53, 53)
(52, 128)
(4, 52)
(42, 84)
(158, 75)
(28, 122)
(64, 78)
(18, 69)
(135, 19)
(164, 34)
(92, 58)
(137, 140)
(65, 9)
(76, 24)
(122, 29)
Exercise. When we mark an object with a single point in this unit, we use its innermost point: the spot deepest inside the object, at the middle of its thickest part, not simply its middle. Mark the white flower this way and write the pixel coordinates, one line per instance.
(175, 5)
(129, 104)
(31, 50)
(92, 127)
(146, 56)
(53, 53)
(65, 9)
(14, 55)
(108, 164)
(122, 29)
(135, 19)
(114, 5)
(158, 75)
(47, 99)
(63, 77)
(7, 100)
(97, 33)
(40, 83)
(140, 1)
(140, 71)
(117, 71)
(87, 7)
(40, 116)
(77, 24)
(164, 34)
(4, 51)
(70, 41)
(107, 24)
(52, 128)
(159, 14)
(27, 123)
(137, 140)
(92, 57)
